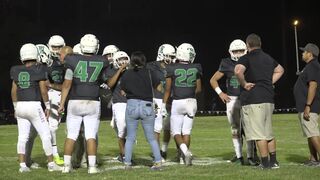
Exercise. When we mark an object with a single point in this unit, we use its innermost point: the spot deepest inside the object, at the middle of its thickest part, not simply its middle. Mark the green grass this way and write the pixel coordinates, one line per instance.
(211, 145)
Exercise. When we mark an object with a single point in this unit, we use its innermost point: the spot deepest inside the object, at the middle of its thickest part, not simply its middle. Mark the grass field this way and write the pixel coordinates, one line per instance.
(211, 146)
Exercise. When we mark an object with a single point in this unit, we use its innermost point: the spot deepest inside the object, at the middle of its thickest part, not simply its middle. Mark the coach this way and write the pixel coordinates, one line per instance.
(306, 92)
(257, 72)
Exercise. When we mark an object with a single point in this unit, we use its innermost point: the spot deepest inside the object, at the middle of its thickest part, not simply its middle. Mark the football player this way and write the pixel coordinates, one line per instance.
(183, 79)
(82, 74)
(119, 101)
(28, 88)
(55, 73)
(166, 54)
(237, 49)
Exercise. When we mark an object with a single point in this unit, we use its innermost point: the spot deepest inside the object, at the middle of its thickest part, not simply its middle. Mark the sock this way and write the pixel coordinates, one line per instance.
(184, 148)
(23, 164)
(92, 160)
(273, 157)
(265, 161)
(250, 149)
(237, 147)
(164, 147)
(55, 150)
(67, 160)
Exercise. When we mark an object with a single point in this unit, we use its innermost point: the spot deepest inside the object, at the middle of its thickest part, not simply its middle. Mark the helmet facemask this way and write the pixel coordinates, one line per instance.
(237, 49)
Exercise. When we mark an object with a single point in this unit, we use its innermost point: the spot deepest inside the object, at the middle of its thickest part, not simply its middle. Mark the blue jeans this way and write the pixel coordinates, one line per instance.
(136, 110)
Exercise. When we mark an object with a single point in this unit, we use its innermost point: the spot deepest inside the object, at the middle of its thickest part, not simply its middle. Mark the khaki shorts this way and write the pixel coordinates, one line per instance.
(257, 121)
(309, 128)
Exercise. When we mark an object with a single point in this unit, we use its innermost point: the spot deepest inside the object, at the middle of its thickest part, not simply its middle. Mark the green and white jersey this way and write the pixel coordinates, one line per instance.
(227, 68)
(160, 72)
(184, 77)
(27, 80)
(87, 71)
(56, 72)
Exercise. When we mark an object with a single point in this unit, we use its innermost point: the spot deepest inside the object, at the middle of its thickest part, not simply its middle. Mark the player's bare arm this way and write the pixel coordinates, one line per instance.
(167, 91)
(45, 97)
(64, 93)
(198, 86)
(214, 84)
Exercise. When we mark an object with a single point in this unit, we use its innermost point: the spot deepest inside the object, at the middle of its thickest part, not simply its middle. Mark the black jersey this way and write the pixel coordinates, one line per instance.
(184, 77)
(27, 80)
(259, 70)
(87, 71)
(117, 97)
(311, 72)
(160, 72)
(227, 68)
(56, 72)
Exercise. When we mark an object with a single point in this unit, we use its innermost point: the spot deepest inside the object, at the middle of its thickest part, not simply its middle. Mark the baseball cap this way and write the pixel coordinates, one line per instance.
(311, 48)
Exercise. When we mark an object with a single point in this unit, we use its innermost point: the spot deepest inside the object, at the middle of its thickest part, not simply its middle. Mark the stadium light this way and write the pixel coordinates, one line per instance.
(295, 24)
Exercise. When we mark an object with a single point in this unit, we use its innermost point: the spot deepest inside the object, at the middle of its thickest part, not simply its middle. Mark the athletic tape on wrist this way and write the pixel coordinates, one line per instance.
(218, 90)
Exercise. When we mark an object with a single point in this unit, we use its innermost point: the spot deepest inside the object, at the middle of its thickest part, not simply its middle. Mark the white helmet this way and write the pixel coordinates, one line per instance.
(44, 54)
(120, 58)
(55, 43)
(28, 52)
(166, 53)
(76, 49)
(186, 53)
(89, 44)
(110, 49)
(237, 49)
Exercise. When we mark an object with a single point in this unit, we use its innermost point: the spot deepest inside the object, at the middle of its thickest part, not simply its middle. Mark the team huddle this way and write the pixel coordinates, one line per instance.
(161, 93)
(58, 77)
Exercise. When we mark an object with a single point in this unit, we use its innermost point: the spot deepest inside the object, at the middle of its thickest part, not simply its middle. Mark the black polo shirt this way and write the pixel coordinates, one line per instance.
(311, 72)
(259, 70)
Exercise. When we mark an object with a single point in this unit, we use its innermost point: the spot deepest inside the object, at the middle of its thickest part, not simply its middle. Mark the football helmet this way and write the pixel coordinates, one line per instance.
(76, 49)
(44, 54)
(55, 43)
(237, 49)
(186, 53)
(166, 53)
(28, 52)
(119, 58)
(109, 51)
(89, 44)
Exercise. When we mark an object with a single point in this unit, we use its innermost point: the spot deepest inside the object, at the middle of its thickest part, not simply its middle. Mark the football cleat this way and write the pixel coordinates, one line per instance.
(58, 160)
(54, 167)
(188, 158)
(66, 169)
(35, 165)
(275, 165)
(24, 169)
(93, 170)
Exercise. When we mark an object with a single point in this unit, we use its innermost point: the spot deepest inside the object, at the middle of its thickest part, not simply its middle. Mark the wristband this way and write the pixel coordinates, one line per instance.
(47, 104)
(218, 90)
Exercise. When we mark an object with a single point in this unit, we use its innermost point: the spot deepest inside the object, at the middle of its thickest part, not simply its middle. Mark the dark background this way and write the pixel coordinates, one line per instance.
(144, 25)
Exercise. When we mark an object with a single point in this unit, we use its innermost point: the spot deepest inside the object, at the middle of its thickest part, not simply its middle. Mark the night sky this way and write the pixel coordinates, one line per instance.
(144, 25)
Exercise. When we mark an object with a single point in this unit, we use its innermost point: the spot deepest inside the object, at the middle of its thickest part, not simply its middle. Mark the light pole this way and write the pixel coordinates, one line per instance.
(295, 24)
